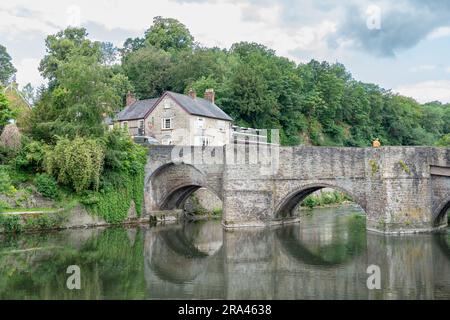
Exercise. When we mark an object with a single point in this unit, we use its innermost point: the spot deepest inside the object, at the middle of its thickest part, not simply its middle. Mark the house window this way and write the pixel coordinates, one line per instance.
(200, 123)
(125, 125)
(167, 123)
(206, 141)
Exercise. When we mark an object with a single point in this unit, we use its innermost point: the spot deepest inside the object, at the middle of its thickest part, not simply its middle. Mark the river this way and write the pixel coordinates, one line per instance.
(326, 256)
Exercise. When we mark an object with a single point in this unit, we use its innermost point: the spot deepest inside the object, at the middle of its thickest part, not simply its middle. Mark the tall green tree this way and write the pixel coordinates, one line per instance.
(62, 46)
(7, 69)
(168, 34)
(148, 70)
(6, 113)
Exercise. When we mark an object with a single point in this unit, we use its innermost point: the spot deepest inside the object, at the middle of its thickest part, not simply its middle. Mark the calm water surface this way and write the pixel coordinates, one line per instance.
(324, 257)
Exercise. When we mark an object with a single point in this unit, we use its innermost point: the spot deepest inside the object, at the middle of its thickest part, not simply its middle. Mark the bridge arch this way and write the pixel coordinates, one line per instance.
(171, 184)
(441, 213)
(287, 205)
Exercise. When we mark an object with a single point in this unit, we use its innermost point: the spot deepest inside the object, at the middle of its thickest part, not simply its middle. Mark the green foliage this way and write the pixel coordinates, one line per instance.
(7, 69)
(47, 186)
(373, 166)
(113, 201)
(444, 141)
(4, 206)
(148, 69)
(83, 88)
(122, 181)
(168, 34)
(76, 163)
(42, 222)
(6, 113)
(31, 157)
(404, 166)
(5, 180)
(325, 199)
(10, 223)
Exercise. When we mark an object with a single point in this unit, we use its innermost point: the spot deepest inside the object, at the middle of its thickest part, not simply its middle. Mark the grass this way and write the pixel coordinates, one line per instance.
(31, 210)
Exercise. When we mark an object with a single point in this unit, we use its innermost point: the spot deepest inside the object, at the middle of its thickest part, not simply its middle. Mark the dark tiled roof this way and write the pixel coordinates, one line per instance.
(200, 107)
(197, 106)
(137, 110)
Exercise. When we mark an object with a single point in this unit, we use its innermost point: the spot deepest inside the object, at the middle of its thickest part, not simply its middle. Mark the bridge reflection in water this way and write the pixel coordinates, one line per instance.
(324, 257)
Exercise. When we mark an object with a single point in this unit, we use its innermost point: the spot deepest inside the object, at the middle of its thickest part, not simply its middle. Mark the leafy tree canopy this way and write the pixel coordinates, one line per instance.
(7, 69)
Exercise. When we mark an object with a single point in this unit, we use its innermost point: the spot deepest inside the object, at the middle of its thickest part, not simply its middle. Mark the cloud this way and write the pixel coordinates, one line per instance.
(424, 68)
(427, 91)
(440, 32)
(403, 24)
(27, 72)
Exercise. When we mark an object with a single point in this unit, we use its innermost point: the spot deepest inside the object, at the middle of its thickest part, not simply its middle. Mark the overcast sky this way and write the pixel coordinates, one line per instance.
(402, 45)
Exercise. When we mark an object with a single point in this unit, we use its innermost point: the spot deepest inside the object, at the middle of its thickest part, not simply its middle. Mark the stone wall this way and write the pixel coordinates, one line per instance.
(401, 189)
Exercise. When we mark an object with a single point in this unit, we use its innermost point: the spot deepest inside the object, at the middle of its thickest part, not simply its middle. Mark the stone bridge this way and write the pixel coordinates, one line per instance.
(401, 189)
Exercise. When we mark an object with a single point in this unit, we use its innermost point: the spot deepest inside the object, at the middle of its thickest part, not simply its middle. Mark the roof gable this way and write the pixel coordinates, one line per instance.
(141, 109)
(198, 106)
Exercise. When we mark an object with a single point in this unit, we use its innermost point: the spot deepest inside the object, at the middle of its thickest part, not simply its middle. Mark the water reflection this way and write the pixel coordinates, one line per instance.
(324, 257)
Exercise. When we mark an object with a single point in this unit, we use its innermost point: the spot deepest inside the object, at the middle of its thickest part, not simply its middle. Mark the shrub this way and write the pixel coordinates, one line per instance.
(11, 223)
(4, 205)
(31, 156)
(47, 186)
(5, 180)
(76, 163)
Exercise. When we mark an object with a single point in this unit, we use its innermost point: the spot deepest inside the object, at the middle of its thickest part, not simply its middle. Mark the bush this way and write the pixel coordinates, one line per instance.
(76, 163)
(5, 180)
(31, 156)
(11, 223)
(4, 205)
(47, 186)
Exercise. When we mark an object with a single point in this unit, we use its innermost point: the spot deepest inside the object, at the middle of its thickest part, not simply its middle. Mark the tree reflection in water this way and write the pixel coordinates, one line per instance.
(325, 256)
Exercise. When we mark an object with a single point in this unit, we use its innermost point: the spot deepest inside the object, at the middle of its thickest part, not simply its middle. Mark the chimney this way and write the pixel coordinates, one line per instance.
(210, 95)
(192, 93)
(130, 99)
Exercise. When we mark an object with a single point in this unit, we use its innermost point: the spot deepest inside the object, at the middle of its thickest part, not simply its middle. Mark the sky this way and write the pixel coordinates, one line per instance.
(403, 45)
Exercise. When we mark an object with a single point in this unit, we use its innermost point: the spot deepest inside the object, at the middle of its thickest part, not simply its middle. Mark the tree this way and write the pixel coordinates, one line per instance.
(62, 46)
(6, 113)
(168, 34)
(148, 71)
(109, 53)
(131, 45)
(7, 69)
(29, 93)
(85, 93)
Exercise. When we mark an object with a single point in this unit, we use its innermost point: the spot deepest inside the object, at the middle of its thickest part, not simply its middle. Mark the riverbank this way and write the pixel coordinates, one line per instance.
(325, 199)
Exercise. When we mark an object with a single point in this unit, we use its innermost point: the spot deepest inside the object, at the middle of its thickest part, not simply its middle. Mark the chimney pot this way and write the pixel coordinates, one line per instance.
(192, 93)
(130, 98)
(210, 95)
